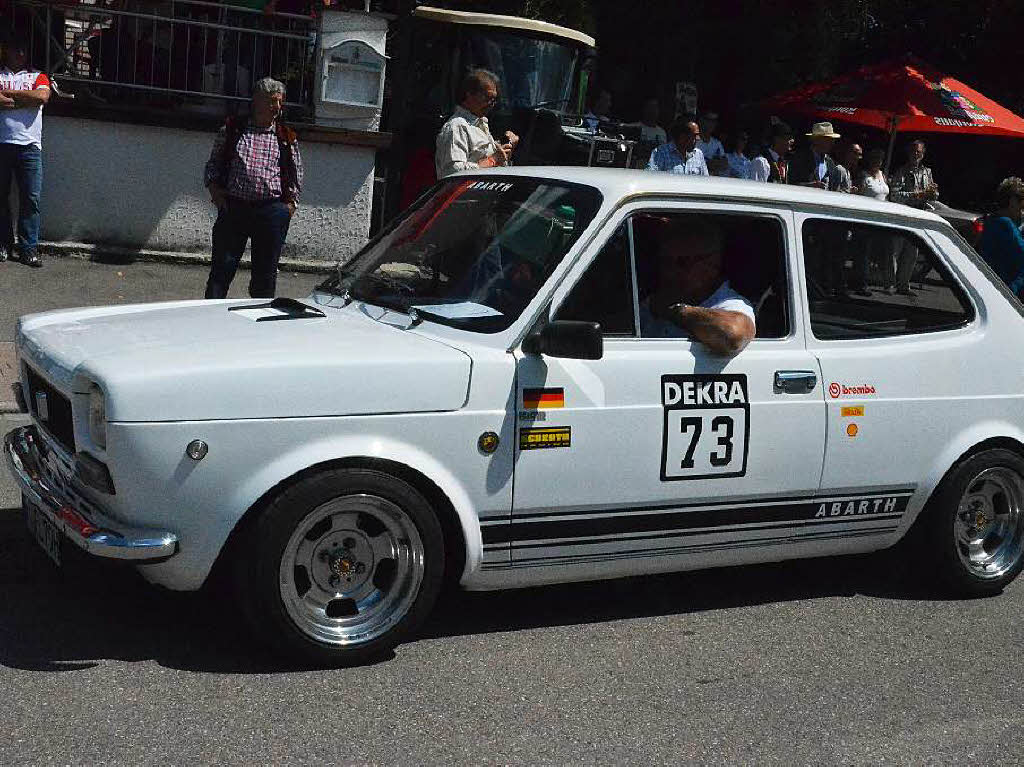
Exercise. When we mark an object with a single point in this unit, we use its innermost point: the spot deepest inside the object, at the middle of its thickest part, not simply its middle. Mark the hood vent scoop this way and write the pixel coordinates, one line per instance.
(278, 309)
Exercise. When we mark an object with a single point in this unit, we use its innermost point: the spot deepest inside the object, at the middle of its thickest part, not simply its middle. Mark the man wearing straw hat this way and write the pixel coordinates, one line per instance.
(813, 166)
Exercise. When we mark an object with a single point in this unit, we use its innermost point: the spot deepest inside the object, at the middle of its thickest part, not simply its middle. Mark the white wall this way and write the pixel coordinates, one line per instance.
(136, 186)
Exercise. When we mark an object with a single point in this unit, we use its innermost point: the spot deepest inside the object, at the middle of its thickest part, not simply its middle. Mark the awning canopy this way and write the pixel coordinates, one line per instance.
(446, 16)
(907, 95)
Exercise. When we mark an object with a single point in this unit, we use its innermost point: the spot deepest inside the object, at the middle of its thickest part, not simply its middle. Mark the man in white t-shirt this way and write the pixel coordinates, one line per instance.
(692, 298)
(23, 93)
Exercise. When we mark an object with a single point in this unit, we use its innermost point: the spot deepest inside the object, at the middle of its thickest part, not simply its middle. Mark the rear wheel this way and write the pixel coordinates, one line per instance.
(975, 527)
(344, 564)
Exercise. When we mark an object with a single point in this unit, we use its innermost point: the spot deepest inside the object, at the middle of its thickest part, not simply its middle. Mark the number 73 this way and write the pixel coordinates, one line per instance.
(722, 427)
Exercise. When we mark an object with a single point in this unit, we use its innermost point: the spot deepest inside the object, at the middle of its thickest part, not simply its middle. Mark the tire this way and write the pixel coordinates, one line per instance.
(974, 524)
(340, 567)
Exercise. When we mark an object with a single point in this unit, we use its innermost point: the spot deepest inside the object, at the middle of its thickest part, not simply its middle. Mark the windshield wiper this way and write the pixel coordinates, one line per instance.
(484, 322)
(418, 314)
(385, 302)
(334, 285)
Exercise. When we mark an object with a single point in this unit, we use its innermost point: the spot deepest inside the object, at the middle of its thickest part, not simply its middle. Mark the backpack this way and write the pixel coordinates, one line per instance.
(286, 138)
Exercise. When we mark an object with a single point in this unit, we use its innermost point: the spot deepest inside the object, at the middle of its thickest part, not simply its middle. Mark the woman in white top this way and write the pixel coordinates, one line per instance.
(739, 163)
(881, 248)
(872, 182)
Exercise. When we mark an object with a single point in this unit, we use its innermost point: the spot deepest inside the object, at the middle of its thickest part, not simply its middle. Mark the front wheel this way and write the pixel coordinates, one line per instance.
(344, 564)
(975, 526)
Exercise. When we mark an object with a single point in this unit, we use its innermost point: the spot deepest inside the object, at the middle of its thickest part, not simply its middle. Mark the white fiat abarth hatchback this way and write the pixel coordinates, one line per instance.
(475, 398)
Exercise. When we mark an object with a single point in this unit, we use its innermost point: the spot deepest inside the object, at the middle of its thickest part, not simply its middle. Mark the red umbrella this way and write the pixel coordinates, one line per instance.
(906, 95)
(918, 97)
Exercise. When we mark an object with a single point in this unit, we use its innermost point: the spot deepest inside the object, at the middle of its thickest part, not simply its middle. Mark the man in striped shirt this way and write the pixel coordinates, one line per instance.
(254, 176)
(681, 154)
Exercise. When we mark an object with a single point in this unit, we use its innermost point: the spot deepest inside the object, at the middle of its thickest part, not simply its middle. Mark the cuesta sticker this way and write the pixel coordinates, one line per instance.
(545, 438)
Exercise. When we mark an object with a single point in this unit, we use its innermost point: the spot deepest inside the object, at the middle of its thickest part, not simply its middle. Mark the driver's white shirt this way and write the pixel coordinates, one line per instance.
(725, 298)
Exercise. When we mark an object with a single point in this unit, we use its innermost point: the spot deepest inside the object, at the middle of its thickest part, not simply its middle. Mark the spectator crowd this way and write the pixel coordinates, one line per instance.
(692, 147)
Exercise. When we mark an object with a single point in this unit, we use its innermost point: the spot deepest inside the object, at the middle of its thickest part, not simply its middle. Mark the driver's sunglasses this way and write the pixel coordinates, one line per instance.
(688, 260)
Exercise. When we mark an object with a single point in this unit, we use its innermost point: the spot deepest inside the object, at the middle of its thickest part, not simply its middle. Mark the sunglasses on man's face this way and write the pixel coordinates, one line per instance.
(690, 260)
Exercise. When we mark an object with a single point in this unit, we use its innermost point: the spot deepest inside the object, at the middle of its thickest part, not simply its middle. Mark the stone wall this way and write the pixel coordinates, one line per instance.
(136, 186)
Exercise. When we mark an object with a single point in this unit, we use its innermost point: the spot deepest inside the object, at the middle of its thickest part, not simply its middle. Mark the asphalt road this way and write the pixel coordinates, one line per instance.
(852, 660)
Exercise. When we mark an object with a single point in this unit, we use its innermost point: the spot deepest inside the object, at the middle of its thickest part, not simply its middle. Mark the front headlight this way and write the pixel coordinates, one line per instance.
(97, 417)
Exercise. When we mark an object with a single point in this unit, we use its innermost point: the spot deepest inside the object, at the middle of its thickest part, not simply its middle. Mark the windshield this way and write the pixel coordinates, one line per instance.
(473, 253)
(531, 72)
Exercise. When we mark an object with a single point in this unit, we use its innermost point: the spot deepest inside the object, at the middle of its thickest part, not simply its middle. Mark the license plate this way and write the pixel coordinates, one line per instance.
(47, 535)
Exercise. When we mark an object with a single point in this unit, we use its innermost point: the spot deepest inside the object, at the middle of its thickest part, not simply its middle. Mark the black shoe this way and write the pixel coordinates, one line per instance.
(862, 292)
(905, 292)
(32, 259)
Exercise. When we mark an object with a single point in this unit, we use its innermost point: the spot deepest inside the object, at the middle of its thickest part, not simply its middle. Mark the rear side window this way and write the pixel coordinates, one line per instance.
(870, 281)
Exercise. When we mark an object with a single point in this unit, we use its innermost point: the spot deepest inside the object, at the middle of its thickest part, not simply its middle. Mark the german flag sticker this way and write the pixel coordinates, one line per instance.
(543, 399)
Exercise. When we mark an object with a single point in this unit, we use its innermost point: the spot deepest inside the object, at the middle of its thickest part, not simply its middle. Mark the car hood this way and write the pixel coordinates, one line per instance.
(203, 360)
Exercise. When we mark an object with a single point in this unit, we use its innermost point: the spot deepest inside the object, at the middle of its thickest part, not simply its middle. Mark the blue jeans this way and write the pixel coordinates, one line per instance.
(25, 164)
(265, 223)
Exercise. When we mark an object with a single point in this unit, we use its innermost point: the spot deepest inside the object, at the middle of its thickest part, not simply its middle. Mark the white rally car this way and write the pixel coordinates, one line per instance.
(472, 398)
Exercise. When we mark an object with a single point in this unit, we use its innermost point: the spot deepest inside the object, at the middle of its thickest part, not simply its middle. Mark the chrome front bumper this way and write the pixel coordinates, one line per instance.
(89, 530)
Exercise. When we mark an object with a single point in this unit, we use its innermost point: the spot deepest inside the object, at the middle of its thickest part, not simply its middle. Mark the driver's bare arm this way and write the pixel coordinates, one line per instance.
(725, 333)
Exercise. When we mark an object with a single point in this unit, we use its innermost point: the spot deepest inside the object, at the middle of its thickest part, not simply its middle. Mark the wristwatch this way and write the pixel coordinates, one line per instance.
(679, 306)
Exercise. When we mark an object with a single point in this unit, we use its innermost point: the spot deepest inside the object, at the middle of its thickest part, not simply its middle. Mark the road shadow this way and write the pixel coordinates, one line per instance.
(886, 575)
(73, 618)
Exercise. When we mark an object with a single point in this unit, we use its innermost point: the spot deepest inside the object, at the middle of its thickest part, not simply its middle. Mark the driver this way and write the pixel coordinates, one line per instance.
(465, 141)
(693, 299)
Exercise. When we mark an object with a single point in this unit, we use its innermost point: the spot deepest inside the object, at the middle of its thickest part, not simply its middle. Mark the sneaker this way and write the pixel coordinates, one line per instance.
(4, 253)
(31, 259)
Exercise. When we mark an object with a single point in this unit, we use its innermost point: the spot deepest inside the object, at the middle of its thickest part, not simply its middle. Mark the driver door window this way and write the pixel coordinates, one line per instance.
(753, 263)
(753, 260)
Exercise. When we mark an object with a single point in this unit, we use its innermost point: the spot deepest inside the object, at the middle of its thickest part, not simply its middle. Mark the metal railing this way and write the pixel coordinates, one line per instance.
(190, 53)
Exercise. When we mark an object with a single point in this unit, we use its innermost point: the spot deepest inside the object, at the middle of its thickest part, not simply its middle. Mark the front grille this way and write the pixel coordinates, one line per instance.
(56, 419)
(61, 476)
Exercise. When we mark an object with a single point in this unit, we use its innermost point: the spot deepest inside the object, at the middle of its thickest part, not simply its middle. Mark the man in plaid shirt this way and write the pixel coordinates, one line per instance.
(254, 176)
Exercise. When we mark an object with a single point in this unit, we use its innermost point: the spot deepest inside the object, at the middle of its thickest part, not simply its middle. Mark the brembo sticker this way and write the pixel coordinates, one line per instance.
(837, 390)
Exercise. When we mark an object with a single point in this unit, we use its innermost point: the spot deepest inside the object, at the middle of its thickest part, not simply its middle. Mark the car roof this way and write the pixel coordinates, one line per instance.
(618, 183)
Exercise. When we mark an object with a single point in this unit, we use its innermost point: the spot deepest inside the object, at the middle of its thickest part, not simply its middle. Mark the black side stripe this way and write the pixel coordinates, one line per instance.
(766, 501)
(769, 500)
(797, 526)
(691, 549)
(849, 510)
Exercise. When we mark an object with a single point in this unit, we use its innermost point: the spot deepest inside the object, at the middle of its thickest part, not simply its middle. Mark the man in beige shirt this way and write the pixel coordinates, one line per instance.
(465, 141)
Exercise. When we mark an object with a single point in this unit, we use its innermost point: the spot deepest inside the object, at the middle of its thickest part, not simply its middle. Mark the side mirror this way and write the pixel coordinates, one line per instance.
(567, 338)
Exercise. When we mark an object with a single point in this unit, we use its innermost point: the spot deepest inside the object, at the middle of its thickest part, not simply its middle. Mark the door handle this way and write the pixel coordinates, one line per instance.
(795, 381)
